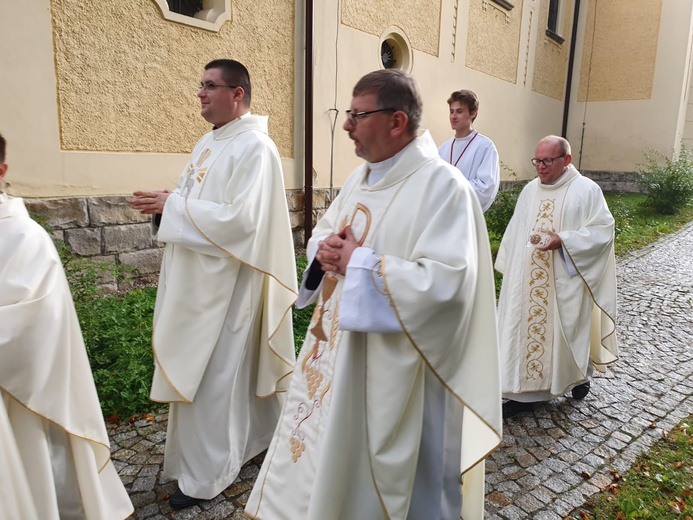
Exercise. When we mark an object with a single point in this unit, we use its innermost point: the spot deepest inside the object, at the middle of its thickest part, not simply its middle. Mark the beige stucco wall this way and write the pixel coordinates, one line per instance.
(636, 103)
(511, 114)
(618, 60)
(101, 97)
(551, 60)
(493, 38)
(419, 19)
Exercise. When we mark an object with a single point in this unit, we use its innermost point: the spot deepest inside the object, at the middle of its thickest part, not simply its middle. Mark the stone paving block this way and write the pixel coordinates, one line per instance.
(544, 495)
(142, 499)
(561, 507)
(512, 512)
(557, 485)
(147, 512)
(509, 486)
(546, 515)
(123, 455)
(149, 470)
(498, 499)
(143, 484)
(528, 503)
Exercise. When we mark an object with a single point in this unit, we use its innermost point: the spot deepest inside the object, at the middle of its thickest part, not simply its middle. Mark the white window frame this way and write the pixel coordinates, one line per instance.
(213, 15)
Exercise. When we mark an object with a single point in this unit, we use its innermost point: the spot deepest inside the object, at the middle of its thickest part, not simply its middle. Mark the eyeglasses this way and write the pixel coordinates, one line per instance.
(546, 162)
(208, 87)
(353, 117)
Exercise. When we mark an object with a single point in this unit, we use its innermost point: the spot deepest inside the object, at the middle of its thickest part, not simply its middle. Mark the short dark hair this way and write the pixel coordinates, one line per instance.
(393, 89)
(3, 144)
(465, 97)
(234, 73)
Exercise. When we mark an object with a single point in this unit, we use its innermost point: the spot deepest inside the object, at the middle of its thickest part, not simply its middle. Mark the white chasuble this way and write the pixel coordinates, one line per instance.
(552, 323)
(368, 415)
(223, 338)
(53, 442)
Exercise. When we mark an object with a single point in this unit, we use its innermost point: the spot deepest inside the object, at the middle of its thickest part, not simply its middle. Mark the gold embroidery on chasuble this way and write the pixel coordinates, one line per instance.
(538, 305)
(195, 172)
(323, 336)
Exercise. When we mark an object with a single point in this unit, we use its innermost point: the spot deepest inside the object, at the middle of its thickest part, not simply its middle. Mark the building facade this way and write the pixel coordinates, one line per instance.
(99, 99)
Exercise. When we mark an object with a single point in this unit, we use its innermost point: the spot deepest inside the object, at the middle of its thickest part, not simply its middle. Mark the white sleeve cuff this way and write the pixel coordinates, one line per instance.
(365, 304)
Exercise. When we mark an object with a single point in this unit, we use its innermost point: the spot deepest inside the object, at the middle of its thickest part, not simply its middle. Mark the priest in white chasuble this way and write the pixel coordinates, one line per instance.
(395, 400)
(222, 333)
(54, 450)
(557, 306)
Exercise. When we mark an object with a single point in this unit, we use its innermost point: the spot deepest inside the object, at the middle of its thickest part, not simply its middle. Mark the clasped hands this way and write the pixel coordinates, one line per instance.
(335, 251)
(149, 202)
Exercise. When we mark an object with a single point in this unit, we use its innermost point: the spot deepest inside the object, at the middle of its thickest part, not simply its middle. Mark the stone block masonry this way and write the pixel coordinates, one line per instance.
(108, 229)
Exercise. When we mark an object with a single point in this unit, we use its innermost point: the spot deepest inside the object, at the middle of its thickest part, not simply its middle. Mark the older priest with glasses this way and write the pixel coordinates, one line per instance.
(395, 400)
(557, 306)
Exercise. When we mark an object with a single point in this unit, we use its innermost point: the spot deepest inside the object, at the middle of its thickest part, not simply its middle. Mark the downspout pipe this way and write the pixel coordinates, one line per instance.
(571, 64)
(308, 126)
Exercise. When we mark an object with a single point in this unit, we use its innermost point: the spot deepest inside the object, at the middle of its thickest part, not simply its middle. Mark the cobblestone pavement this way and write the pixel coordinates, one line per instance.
(551, 460)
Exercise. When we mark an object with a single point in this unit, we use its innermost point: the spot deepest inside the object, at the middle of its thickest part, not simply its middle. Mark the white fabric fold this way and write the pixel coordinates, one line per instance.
(47, 395)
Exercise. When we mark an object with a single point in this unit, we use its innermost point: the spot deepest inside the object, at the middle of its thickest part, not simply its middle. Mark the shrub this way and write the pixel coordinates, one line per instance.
(117, 331)
(301, 317)
(668, 183)
(500, 212)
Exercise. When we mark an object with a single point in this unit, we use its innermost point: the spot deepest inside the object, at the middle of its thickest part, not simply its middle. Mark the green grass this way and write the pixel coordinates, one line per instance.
(658, 486)
(117, 331)
(637, 226)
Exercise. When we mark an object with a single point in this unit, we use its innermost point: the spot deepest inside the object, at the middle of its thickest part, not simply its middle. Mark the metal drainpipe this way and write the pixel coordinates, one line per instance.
(308, 124)
(571, 64)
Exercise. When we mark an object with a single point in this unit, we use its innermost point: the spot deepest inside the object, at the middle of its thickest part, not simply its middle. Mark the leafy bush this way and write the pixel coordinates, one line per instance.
(117, 331)
(500, 212)
(668, 185)
(301, 317)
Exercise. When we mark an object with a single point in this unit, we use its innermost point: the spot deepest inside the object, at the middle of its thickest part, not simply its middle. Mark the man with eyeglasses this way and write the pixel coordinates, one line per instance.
(557, 306)
(222, 332)
(472, 153)
(403, 341)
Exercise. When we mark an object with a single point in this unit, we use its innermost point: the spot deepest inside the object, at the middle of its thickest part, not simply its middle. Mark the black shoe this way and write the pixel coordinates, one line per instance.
(581, 391)
(512, 408)
(180, 500)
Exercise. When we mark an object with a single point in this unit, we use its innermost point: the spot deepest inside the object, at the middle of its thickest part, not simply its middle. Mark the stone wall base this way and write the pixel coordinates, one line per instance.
(610, 182)
(107, 229)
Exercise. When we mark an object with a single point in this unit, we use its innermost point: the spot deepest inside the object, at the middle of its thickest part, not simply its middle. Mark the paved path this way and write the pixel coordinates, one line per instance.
(551, 460)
